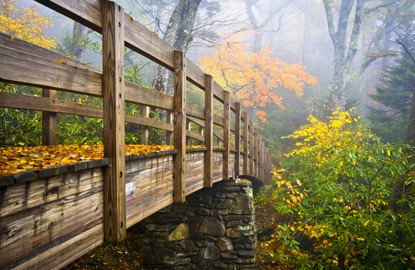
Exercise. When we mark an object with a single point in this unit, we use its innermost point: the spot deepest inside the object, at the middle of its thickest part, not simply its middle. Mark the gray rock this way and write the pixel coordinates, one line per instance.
(181, 232)
(212, 226)
(211, 252)
(224, 244)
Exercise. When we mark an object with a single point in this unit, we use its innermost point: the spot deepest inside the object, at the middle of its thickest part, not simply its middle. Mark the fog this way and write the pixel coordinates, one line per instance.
(348, 59)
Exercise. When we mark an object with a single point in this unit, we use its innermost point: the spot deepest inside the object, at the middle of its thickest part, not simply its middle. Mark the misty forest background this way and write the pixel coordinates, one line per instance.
(330, 83)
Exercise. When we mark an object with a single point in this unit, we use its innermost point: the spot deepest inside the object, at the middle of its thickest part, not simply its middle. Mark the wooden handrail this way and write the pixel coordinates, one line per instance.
(27, 64)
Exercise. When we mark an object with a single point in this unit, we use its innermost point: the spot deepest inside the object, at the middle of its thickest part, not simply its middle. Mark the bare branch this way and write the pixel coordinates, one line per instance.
(406, 49)
(370, 10)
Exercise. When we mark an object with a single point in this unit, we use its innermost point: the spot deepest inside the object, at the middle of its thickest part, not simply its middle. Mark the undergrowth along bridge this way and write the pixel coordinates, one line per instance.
(50, 217)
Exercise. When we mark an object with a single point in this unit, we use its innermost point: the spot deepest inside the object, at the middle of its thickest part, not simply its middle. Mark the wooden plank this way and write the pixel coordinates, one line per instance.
(144, 96)
(143, 129)
(24, 68)
(198, 137)
(169, 134)
(18, 101)
(245, 136)
(195, 111)
(194, 171)
(260, 176)
(263, 161)
(251, 148)
(87, 12)
(22, 196)
(37, 230)
(23, 46)
(147, 43)
(255, 153)
(49, 121)
(149, 187)
(208, 125)
(38, 215)
(114, 130)
(188, 125)
(66, 252)
(202, 124)
(195, 75)
(217, 166)
(218, 92)
(179, 127)
(226, 135)
(237, 137)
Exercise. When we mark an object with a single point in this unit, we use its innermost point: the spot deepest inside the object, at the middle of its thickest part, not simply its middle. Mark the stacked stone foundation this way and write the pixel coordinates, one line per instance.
(214, 229)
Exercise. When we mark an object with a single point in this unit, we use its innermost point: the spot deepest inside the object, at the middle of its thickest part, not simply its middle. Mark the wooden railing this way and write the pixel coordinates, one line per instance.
(24, 63)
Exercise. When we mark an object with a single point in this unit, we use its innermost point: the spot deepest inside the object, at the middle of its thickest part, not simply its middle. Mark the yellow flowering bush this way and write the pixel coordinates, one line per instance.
(335, 188)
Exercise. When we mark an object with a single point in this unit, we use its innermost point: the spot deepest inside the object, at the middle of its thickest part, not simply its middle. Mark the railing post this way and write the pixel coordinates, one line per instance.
(207, 180)
(114, 130)
(144, 130)
(49, 124)
(259, 161)
(237, 137)
(179, 123)
(188, 126)
(262, 160)
(246, 134)
(226, 135)
(251, 148)
(169, 134)
(255, 153)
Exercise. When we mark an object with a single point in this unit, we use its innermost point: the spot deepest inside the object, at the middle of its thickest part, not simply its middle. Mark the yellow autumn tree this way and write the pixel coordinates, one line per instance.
(255, 77)
(25, 23)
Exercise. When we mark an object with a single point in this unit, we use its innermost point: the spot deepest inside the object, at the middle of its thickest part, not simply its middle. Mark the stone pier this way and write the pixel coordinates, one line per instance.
(214, 229)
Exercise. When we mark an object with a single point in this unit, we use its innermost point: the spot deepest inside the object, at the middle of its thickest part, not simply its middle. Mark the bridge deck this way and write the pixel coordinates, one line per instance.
(48, 222)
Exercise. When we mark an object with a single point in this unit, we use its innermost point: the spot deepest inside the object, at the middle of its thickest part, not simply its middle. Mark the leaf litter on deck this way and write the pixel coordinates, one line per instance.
(21, 159)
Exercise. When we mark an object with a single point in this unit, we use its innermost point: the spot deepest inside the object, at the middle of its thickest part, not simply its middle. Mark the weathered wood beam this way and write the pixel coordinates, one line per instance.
(226, 134)
(179, 182)
(18, 101)
(202, 124)
(114, 131)
(208, 125)
(144, 96)
(251, 148)
(169, 134)
(144, 131)
(237, 137)
(24, 46)
(86, 12)
(188, 126)
(198, 137)
(25, 68)
(49, 121)
(255, 154)
(246, 136)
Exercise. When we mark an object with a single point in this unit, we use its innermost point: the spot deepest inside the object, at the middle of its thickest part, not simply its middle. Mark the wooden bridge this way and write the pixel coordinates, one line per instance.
(50, 217)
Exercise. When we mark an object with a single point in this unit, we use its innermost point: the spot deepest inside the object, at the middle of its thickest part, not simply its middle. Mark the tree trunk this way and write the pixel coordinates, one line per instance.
(257, 26)
(345, 47)
(78, 34)
(178, 34)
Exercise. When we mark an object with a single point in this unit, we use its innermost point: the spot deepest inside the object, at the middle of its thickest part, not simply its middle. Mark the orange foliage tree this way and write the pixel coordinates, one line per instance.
(25, 23)
(255, 77)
